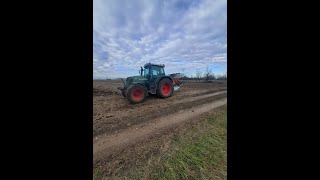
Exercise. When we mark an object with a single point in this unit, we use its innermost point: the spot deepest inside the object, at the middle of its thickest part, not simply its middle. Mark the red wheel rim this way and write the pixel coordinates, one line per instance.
(165, 89)
(136, 94)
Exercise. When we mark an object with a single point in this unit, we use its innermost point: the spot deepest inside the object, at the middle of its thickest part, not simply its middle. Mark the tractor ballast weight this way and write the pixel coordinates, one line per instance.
(152, 80)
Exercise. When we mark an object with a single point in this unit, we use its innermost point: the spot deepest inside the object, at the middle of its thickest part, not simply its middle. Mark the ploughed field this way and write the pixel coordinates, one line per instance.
(125, 134)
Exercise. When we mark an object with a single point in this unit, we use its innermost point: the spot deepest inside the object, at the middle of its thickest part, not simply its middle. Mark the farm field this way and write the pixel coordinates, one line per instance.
(133, 141)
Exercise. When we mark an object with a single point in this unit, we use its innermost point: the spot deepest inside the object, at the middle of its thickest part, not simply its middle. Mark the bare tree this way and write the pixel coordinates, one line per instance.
(208, 75)
(222, 77)
(198, 74)
(213, 77)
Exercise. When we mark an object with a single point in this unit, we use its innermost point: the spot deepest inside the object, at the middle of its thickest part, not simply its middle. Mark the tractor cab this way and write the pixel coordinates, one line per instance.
(152, 72)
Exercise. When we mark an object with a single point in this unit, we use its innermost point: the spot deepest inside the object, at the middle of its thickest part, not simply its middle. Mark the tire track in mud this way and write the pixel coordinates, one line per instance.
(193, 93)
(106, 144)
(198, 97)
(117, 124)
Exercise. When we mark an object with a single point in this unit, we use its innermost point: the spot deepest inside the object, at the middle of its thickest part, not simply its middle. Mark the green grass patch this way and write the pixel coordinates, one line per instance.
(198, 154)
(97, 174)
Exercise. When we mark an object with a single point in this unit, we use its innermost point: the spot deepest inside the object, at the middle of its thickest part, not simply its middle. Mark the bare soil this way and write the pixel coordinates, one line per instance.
(124, 133)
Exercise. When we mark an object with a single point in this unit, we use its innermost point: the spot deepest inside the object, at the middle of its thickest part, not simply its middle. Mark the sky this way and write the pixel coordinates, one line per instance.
(185, 35)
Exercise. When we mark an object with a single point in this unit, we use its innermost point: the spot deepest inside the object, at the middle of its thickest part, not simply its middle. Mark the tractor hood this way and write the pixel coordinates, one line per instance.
(136, 78)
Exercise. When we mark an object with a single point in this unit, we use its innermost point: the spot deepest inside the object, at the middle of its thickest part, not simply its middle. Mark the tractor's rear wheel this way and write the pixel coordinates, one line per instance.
(136, 93)
(165, 88)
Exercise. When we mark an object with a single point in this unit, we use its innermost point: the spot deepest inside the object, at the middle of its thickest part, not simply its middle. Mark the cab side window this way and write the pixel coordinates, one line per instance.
(162, 71)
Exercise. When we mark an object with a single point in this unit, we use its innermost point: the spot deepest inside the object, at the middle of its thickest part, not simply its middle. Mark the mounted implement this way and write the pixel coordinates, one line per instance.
(152, 80)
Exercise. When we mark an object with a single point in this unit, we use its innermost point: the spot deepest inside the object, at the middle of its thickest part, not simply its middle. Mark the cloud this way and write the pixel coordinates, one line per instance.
(182, 34)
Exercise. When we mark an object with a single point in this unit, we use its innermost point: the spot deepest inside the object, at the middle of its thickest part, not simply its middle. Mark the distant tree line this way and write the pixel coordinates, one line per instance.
(207, 76)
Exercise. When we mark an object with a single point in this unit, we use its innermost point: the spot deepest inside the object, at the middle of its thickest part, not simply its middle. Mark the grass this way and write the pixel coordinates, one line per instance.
(199, 154)
(97, 174)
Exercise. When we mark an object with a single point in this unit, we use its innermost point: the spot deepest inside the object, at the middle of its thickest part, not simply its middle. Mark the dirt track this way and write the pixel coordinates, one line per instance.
(108, 143)
(118, 125)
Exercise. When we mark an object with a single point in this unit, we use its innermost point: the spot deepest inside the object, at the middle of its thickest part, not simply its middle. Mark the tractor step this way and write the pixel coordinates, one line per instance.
(152, 89)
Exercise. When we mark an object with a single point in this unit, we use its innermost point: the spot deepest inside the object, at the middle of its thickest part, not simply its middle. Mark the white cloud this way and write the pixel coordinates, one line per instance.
(180, 34)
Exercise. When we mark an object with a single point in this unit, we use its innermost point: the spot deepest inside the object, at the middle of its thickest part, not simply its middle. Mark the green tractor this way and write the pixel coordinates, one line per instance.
(152, 80)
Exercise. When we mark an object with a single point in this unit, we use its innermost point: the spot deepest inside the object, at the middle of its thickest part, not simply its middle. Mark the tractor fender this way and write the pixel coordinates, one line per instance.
(145, 88)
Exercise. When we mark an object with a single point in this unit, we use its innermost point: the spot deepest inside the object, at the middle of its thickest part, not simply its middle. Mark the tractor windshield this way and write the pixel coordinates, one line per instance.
(146, 72)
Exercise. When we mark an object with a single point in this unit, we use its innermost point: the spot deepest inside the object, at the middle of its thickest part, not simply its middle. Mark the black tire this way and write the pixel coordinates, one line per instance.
(136, 93)
(165, 88)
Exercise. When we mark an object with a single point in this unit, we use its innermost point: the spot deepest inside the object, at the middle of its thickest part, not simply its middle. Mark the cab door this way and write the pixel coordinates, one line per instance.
(155, 72)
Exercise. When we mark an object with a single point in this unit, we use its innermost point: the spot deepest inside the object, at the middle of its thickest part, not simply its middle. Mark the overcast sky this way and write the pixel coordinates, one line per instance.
(182, 34)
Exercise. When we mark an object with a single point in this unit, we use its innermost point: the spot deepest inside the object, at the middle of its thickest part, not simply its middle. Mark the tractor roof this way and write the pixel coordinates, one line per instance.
(148, 64)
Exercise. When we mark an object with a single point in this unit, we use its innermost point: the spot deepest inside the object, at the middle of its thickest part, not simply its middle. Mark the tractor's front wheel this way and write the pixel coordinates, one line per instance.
(165, 88)
(136, 93)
